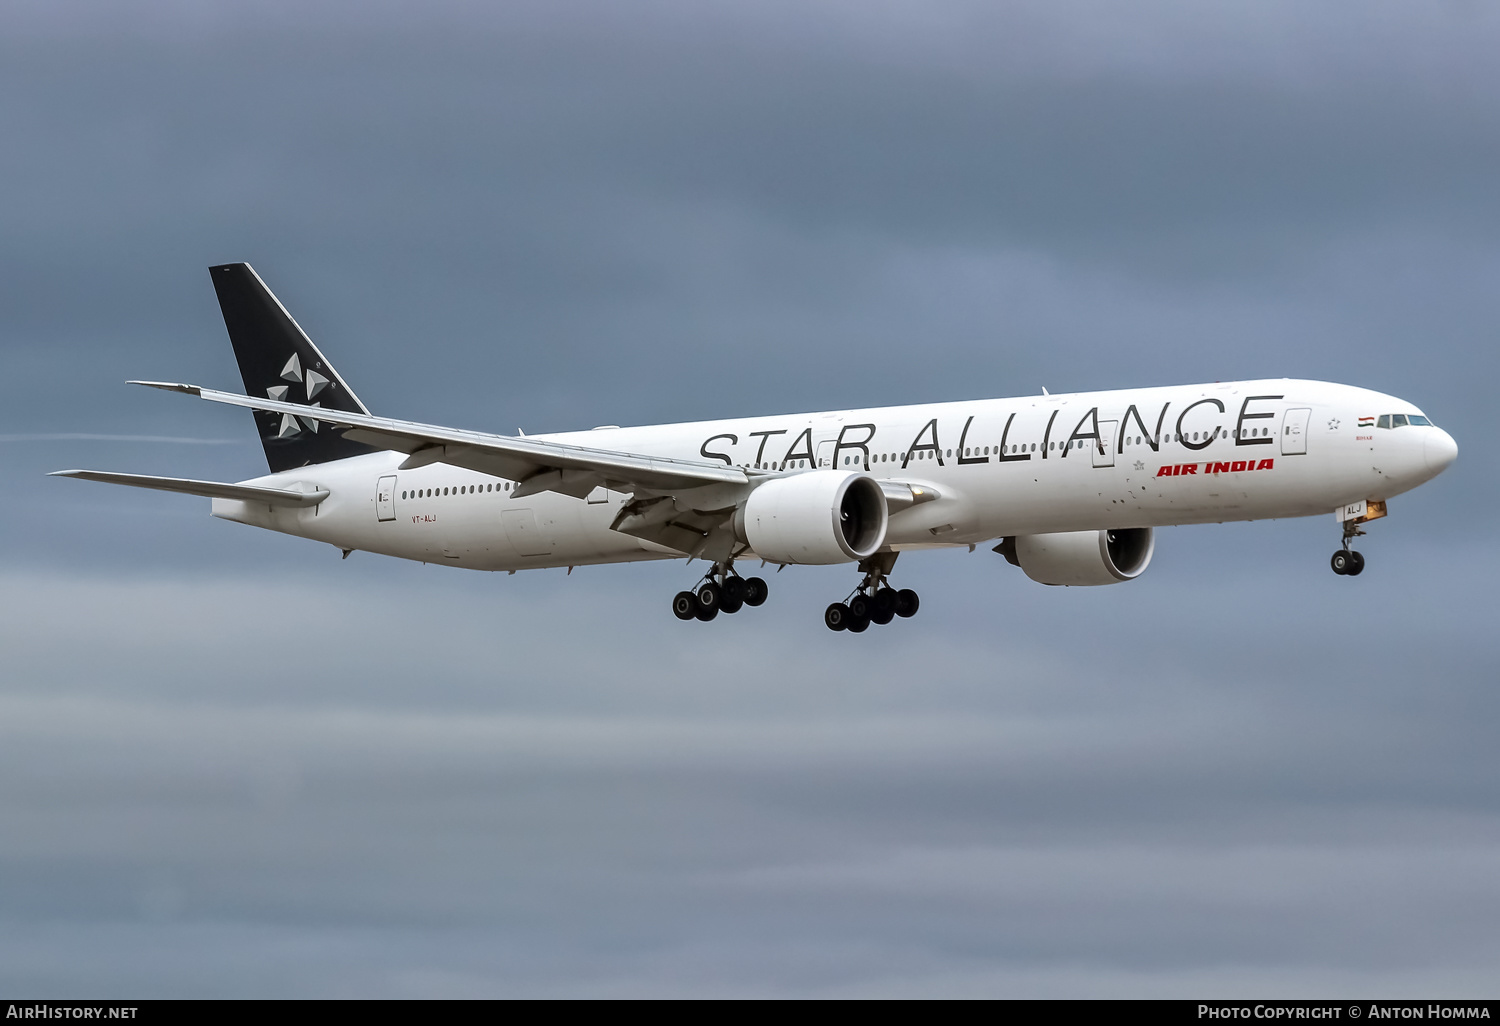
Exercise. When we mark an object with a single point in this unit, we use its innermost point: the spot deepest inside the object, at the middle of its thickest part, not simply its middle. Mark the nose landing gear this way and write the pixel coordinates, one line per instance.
(1346, 562)
(873, 601)
(721, 591)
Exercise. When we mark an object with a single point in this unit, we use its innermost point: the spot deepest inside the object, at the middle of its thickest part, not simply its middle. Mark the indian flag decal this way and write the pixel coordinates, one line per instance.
(1367, 422)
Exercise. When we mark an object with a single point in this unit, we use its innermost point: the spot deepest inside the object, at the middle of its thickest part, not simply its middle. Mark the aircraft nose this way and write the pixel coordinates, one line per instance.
(1439, 450)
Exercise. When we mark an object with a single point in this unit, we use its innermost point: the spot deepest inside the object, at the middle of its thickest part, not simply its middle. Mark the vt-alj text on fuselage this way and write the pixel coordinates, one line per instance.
(1070, 486)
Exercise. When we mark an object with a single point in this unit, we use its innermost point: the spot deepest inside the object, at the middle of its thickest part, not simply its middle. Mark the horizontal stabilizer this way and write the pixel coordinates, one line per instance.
(209, 489)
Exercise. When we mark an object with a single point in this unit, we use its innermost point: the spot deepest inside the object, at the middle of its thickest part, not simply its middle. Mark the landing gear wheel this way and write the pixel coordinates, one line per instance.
(709, 596)
(907, 603)
(734, 591)
(1356, 564)
(860, 607)
(883, 607)
(1340, 562)
(755, 591)
(684, 605)
(705, 613)
(730, 604)
(858, 624)
(836, 617)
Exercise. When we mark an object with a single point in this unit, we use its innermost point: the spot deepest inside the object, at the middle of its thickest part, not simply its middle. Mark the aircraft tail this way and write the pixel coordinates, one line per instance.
(279, 361)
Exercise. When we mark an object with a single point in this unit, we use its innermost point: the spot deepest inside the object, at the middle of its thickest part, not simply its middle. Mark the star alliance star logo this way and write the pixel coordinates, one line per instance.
(1333, 425)
(312, 381)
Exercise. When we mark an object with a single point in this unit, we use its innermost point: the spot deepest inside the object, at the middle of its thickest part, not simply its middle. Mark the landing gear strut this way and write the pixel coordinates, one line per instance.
(721, 591)
(873, 601)
(1346, 562)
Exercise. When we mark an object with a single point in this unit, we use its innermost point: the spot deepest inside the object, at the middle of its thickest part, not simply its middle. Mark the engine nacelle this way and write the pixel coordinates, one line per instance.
(822, 516)
(1082, 557)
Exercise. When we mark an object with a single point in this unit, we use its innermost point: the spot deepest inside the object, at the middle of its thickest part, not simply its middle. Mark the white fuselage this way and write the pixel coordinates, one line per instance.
(1149, 457)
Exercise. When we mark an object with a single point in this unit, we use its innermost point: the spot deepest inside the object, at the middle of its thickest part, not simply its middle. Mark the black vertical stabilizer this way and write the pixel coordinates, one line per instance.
(279, 361)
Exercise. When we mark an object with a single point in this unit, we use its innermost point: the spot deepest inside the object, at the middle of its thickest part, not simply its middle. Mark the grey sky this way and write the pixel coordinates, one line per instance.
(231, 763)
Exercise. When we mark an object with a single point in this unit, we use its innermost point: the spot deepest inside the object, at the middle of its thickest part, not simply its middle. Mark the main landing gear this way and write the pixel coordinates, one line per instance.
(1346, 562)
(873, 601)
(721, 591)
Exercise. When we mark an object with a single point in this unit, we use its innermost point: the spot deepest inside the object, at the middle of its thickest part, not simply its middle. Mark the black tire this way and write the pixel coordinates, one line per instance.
(907, 603)
(734, 591)
(885, 606)
(858, 624)
(755, 591)
(705, 613)
(684, 605)
(1356, 564)
(730, 605)
(860, 607)
(709, 596)
(1340, 562)
(836, 617)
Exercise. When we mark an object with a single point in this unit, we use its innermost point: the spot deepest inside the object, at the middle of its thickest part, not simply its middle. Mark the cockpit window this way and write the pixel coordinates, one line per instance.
(1395, 420)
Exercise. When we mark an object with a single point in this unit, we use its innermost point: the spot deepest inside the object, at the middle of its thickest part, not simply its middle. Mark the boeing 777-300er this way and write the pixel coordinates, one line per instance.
(1070, 486)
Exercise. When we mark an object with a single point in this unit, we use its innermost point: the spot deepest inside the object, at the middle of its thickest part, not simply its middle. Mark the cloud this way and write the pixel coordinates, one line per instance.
(251, 766)
(80, 436)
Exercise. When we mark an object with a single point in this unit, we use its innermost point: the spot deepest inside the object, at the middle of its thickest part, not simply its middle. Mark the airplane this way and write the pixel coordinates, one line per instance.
(1070, 487)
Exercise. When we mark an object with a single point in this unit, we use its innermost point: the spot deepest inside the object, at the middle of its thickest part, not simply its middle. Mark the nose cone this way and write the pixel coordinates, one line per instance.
(1439, 450)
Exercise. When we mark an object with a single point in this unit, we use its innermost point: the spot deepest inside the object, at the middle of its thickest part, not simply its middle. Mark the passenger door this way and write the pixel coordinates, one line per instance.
(1108, 429)
(1294, 432)
(385, 499)
(825, 454)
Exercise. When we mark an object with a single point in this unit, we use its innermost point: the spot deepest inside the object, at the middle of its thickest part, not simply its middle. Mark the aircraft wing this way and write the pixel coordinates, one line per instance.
(211, 489)
(537, 465)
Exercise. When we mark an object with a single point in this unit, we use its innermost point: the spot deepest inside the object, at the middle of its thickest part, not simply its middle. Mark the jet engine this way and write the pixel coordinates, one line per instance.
(822, 516)
(1081, 557)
